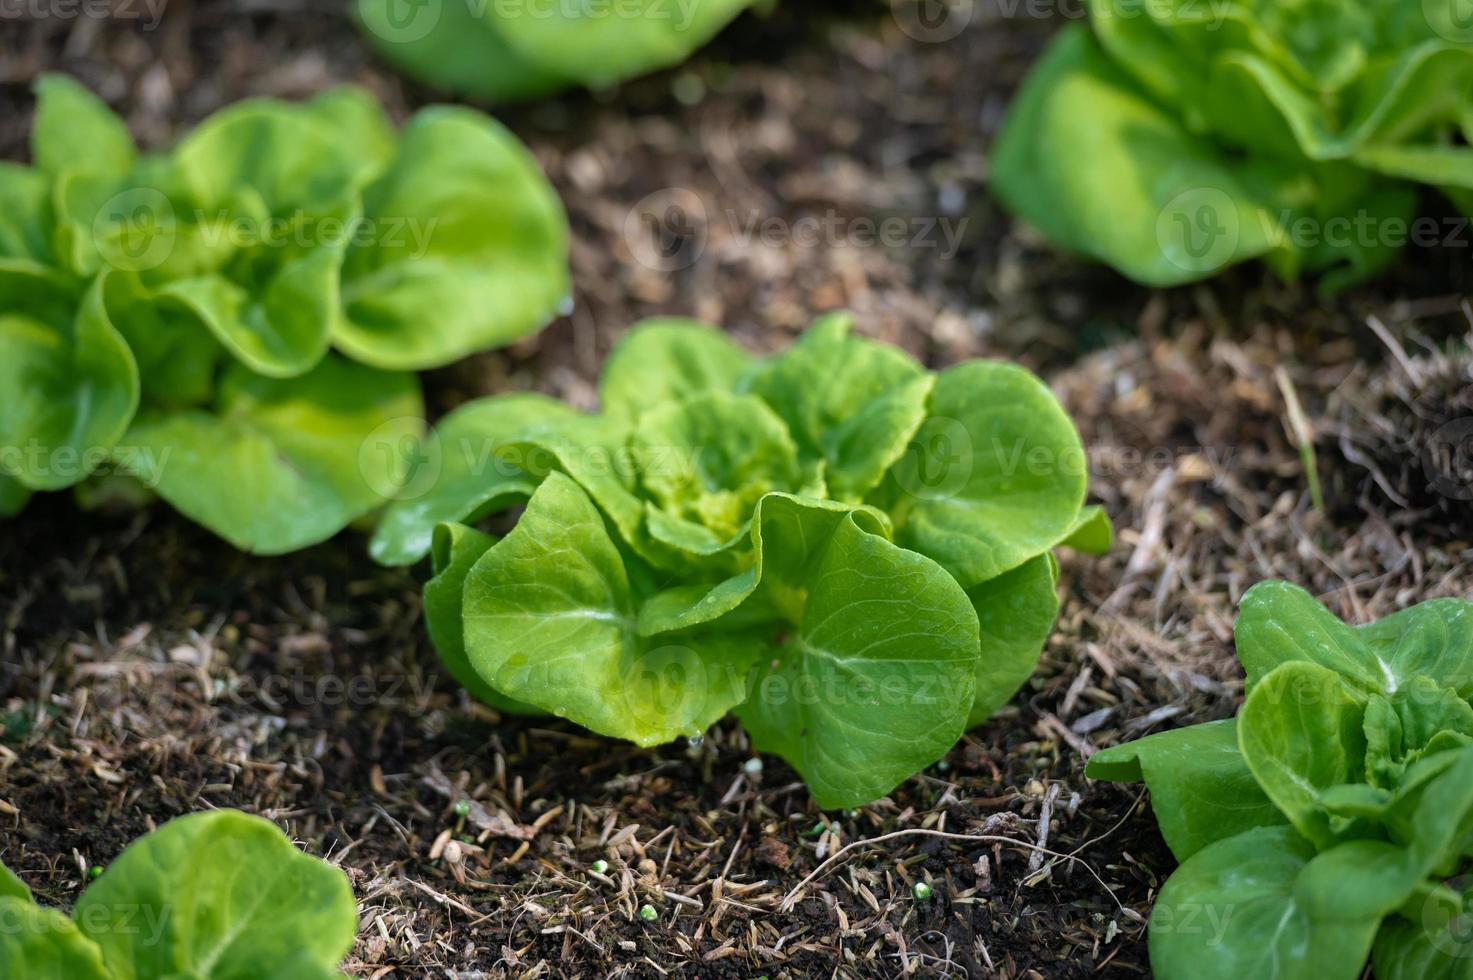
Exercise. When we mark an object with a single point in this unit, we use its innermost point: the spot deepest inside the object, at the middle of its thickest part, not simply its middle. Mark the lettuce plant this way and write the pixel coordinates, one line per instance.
(231, 321)
(1332, 820)
(852, 553)
(507, 51)
(211, 896)
(1180, 137)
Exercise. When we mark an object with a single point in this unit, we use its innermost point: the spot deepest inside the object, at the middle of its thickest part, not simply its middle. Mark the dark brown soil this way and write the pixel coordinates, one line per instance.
(149, 670)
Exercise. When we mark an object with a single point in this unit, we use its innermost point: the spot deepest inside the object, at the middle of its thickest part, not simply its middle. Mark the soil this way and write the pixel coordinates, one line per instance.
(149, 670)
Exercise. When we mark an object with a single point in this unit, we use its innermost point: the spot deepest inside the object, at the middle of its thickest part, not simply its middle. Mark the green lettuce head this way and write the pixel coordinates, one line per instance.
(1173, 139)
(850, 552)
(1331, 821)
(235, 323)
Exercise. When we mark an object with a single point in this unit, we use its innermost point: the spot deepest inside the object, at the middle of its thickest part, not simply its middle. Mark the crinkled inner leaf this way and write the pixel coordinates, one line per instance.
(705, 462)
(277, 322)
(177, 357)
(851, 402)
(550, 620)
(669, 360)
(790, 535)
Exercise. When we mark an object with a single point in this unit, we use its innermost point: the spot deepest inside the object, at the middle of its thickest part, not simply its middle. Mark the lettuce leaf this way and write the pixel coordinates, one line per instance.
(508, 53)
(213, 895)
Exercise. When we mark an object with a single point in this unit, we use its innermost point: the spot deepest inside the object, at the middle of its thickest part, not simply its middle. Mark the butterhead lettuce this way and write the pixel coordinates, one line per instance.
(850, 552)
(235, 323)
(1173, 139)
(1331, 821)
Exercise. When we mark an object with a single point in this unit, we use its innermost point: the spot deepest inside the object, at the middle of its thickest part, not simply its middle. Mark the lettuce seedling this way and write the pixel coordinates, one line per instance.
(1330, 821)
(231, 322)
(510, 52)
(1171, 140)
(210, 896)
(852, 553)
